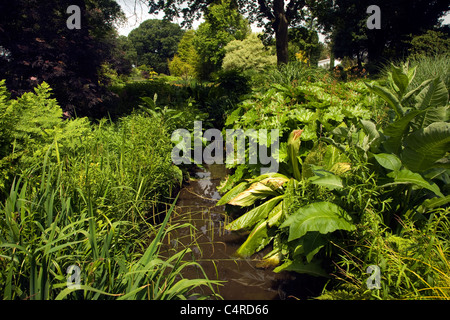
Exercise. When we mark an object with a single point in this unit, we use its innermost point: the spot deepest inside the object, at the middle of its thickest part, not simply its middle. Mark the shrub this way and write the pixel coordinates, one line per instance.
(29, 125)
(431, 43)
(248, 54)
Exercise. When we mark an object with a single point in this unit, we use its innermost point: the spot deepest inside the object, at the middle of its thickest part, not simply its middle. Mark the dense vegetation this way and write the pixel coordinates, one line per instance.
(359, 184)
(86, 175)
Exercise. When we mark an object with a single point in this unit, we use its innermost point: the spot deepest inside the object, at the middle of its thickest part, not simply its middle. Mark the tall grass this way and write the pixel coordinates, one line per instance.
(102, 205)
(45, 229)
(428, 67)
(413, 265)
(431, 67)
(297, 72)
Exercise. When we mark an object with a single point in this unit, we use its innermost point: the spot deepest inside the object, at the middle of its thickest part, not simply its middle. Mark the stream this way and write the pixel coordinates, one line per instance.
(214, 247)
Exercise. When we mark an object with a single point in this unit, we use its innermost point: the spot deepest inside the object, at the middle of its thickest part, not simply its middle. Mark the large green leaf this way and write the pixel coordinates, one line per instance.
(433, 95)
(397, 129)
(249, 219)
(324, 217)
(406, 176)
(374, 135)
(329, 181)
(389, 97)
(270, 175)
(255, 192)
(275, 215)
(256, 240)
(410, 94)
(400, 79)
(293, 147)
(233, 193)
(435, 202)
(425, 146)
(311, 243)
(313, 269)
(388, 161)
(431, 115)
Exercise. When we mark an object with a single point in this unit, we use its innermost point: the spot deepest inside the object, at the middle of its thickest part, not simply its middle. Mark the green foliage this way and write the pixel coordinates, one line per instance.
(431, 43)
(291, 214)
(305, 40)
(91, 196)
(55, 229)
(156, 41)
(347, 23)
(297, 73)
(186, 62)
(29, 125)
(192, 97)
(419, 131)
(323, 217)
(44, 49)
(413, 265)
(430, 68)
(247, 54)
(357, 185)
(223, 24)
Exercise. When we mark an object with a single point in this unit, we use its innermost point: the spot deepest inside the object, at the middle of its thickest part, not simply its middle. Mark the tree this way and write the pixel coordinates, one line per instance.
(156, 42)
(36, 46)
(346, 22)
(248, 54)
(431, 42)
(186, 62)
(127, 50)
(275, 15)
(223, 24)
(305, 40)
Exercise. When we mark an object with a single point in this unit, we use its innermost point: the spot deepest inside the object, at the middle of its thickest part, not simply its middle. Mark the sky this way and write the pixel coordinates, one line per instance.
(137, 12)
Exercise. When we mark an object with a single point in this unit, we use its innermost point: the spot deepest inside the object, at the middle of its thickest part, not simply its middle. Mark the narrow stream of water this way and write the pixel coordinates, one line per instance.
(214, 247)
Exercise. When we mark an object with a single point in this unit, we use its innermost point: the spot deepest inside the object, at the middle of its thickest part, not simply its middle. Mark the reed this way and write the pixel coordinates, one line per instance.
(46, 227)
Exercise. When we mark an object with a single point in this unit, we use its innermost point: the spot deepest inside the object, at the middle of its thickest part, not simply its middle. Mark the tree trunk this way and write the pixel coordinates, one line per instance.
(280, 25)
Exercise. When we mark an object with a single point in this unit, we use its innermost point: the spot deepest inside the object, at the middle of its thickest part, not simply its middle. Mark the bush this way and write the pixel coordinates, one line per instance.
(297, 73)
(88, 196)
(431, 43)
(248, 54)
(29, 125)
(429, 67)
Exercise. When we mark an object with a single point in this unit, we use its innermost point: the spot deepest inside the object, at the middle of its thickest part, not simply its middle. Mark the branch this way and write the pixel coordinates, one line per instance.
(265, 10)
(293, 7)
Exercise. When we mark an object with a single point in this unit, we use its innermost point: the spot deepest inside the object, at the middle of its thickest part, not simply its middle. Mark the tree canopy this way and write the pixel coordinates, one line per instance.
(156, 41)
(37, 46)
(345, 21)
(223, 24)
(248, 54)
(275, 15)
(186, 63)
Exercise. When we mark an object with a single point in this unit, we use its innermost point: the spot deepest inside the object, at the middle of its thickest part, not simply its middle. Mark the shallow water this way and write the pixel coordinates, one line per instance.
(214, 247)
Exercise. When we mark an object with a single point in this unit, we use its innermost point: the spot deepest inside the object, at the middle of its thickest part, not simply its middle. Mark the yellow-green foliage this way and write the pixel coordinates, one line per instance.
(248, 54)
(415, 265)
(29, 125)
(186, 62)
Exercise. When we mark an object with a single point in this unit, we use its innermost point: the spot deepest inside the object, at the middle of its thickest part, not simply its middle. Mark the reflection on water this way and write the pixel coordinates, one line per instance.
(214, 247)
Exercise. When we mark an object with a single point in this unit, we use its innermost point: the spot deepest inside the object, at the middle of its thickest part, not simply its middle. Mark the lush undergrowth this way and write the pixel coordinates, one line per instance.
(89, 202)
(361, 196)
(362, 193)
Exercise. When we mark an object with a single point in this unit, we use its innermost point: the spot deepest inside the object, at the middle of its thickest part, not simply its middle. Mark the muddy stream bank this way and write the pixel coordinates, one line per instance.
(214, 247)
